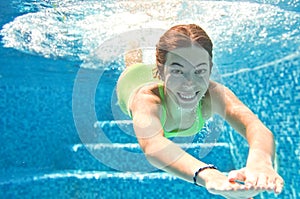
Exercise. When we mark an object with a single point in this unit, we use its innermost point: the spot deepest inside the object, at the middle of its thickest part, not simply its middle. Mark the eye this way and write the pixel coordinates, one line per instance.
(176, 71)
(200, 71)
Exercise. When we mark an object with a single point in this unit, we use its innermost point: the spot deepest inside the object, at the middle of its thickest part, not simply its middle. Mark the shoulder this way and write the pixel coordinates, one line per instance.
(222, 98)
(146, 110)
(146, 99)
(211, 99)
(215, 87)
(218, 92)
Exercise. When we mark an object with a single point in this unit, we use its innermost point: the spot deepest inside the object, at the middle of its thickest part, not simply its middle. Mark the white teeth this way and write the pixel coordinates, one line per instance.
(187, 96)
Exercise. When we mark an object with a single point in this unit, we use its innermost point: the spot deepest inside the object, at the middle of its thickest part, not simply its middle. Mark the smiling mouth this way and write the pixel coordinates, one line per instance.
(188, 97)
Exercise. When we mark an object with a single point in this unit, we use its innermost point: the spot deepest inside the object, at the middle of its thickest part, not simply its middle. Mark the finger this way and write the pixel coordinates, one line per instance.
(271, 184)
(237, 175)
(236, 186)
(279, 185)
(251, 181)
(262, 182)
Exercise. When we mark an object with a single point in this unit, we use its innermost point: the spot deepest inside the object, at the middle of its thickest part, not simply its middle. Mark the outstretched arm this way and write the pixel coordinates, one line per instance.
(259, 172)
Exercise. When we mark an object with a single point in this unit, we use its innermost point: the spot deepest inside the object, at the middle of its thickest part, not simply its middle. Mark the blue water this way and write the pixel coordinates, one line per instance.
(61, 132)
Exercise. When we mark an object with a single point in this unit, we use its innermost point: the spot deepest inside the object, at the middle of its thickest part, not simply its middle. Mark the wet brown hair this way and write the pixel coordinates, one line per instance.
(180, 36)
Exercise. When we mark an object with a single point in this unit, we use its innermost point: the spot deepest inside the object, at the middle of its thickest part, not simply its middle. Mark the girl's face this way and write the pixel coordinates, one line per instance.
(186, 75)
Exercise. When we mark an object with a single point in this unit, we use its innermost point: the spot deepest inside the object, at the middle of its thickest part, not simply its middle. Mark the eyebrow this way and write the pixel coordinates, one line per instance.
(177, 64)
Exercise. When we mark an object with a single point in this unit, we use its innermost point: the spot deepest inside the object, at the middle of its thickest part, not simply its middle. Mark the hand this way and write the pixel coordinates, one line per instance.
(231, 190)
(259, 178)
(218, 184)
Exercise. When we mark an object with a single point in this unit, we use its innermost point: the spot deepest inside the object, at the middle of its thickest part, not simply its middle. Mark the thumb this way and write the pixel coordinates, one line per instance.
(237, 175)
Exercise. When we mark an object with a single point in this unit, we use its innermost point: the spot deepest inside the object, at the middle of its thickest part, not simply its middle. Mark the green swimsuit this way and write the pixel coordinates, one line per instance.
(138, 75)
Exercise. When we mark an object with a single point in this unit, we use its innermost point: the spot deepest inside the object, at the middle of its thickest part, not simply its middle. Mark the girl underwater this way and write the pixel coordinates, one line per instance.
(175, 97)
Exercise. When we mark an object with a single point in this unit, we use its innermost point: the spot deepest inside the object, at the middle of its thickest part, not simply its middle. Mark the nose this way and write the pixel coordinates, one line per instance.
(189, 81)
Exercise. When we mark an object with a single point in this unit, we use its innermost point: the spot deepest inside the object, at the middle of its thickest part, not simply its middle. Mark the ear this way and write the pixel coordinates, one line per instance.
(162, 77)
(210, 66)
(162, 73)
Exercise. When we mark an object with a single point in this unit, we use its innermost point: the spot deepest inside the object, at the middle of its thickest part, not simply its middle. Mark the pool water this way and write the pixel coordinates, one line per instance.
(61, 133)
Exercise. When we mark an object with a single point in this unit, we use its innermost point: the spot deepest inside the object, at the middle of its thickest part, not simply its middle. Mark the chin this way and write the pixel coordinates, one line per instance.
(191, 106)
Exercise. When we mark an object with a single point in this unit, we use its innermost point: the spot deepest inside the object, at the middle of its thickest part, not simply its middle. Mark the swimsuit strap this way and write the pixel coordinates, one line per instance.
(164, 112)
